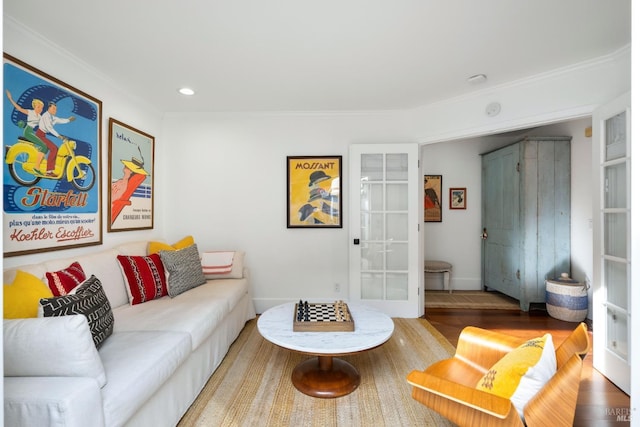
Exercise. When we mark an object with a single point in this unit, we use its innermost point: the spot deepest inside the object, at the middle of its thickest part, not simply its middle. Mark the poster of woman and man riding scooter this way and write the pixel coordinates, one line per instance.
(51, 169)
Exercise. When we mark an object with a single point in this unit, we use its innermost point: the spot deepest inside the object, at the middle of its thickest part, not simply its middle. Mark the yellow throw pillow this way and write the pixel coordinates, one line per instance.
(22, 297)
(522, 372)
(155, 247)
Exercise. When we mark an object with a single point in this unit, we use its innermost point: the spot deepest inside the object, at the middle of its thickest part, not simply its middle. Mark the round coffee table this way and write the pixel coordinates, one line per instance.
(325, 375)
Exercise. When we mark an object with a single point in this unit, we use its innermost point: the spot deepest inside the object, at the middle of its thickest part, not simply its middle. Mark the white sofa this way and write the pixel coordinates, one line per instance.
(153, 366)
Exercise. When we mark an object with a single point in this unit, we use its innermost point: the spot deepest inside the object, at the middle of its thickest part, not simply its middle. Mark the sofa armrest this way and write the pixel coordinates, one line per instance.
(461, 395)
(482, 348)
(52, 401)
(51, 347)
(555, 403)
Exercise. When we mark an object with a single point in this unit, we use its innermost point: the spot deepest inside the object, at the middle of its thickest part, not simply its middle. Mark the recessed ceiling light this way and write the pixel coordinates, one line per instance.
(186, 91)
(478, 78)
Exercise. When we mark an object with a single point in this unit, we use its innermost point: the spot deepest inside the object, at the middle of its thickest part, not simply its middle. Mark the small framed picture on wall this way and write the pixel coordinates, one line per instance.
(457, 198)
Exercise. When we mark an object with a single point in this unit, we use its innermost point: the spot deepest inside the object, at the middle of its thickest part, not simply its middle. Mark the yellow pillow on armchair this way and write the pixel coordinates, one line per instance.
(522, 372)
(155, 247)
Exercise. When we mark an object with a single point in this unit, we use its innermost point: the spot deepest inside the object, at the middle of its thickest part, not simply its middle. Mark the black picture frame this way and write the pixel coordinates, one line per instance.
(433, 198)
(314, 191)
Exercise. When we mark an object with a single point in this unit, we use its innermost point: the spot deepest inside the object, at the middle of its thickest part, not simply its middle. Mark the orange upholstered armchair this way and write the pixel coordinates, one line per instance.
(449, 386)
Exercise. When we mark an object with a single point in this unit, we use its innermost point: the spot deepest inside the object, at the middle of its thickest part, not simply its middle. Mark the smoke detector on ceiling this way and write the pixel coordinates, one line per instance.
(493, 109)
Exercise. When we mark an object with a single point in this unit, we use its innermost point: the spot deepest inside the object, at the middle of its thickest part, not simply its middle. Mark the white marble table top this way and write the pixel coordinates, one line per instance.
(372, 328)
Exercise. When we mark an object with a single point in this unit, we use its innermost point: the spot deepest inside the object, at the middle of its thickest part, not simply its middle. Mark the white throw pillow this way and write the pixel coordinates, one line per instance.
(51, 347)
(237, 269)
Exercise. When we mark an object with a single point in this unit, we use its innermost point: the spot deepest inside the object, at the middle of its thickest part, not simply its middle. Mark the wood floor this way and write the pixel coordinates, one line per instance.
(599, 401)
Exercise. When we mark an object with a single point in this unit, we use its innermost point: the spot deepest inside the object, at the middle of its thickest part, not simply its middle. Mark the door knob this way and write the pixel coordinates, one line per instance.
(484, 234)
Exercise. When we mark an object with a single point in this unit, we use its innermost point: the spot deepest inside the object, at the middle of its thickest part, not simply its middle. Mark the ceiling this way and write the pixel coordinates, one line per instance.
(303, 55)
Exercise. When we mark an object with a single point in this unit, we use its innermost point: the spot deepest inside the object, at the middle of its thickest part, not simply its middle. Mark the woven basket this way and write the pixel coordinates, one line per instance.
(567, 299)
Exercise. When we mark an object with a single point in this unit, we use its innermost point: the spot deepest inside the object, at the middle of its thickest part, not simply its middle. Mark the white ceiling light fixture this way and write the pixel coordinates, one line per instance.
(477, 79)
(186, 91)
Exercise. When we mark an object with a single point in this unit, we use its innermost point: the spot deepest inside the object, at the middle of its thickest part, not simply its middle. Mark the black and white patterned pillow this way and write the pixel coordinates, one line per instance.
(184, 268)
(89, 300)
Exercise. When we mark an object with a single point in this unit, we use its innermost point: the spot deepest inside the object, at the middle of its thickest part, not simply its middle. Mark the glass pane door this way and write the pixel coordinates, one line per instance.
(384, 183)
(384, 237)
(612, 265)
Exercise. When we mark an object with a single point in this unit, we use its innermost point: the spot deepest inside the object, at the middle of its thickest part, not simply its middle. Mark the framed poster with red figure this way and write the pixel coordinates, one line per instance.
(51, 171)
(433, 198)
(131, 172)
(314, 192)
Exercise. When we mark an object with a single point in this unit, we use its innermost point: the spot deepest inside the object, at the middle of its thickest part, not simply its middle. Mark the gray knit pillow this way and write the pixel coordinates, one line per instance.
(184, 268)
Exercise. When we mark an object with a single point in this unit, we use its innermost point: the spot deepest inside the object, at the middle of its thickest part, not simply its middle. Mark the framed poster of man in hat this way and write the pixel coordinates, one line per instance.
(130, 178)
(314, 188)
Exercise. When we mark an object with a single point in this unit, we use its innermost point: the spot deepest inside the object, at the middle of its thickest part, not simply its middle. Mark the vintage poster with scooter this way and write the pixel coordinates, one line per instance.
(51, 169)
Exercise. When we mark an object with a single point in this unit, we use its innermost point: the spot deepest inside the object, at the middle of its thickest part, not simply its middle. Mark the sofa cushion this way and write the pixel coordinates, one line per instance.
(194, 312)
(138, 248)
(88, 300)
(21, 297)
(102, 264)
(184, 269)
(51, 347)
(63, 281)
(38, 270)
(522, 372)
(155, 247)
(137, 364)
(144, 277)
(237, 268)
(229, 290)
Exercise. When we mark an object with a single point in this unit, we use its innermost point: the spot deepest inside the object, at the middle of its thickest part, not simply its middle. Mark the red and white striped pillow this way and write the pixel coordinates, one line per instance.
(64, 281)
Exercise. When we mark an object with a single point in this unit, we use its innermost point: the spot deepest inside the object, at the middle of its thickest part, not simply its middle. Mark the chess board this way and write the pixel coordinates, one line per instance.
(322, 317)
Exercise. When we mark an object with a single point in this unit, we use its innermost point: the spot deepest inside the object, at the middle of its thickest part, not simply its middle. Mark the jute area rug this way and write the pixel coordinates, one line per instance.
(470, 299)
(252, 386)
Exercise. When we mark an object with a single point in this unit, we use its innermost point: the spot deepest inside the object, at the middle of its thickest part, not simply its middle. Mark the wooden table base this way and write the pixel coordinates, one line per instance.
(325, 376)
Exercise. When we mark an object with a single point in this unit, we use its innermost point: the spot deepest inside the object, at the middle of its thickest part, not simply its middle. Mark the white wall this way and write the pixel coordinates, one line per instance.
(221, 177)
(231, 194)
(228, 188)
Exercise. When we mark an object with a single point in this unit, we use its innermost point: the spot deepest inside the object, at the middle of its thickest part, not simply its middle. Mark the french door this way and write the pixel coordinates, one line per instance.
(385, 255)
(611, 242)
